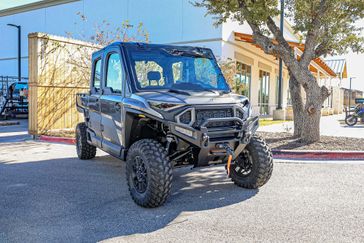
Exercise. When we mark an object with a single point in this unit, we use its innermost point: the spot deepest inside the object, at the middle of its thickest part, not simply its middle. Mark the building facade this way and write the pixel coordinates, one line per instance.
(166, 21)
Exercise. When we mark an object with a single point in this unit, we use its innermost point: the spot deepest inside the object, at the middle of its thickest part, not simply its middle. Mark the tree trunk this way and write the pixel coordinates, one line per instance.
(297, 105)
(311, 126)
(307, 116)
(312, 113)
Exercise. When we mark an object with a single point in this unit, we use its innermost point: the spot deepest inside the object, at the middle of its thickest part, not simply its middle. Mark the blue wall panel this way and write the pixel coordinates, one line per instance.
(166, 21)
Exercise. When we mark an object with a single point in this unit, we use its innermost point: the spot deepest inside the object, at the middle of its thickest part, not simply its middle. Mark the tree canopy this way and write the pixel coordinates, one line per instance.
(326, 27)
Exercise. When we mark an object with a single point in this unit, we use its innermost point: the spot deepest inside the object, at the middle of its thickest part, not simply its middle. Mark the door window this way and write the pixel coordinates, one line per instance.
(263, 98)
(114, 75)
(97, 75)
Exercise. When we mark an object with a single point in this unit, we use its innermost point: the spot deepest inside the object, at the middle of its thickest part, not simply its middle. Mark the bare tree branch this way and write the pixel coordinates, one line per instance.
(312, 35)
(278, 34)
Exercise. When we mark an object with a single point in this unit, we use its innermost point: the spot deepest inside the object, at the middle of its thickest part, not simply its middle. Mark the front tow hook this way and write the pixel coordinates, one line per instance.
(230, 153)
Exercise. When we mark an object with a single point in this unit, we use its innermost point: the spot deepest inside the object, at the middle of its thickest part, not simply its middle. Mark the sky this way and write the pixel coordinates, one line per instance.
(355, 61)
(355, 65)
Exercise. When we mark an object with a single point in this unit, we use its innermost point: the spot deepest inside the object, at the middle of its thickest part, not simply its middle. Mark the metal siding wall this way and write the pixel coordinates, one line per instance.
(166, 21)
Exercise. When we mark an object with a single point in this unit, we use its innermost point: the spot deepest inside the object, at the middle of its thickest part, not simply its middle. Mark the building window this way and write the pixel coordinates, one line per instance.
(289, 99)
(243, 78)
(277, 90)
(329, 99)
(263, 95)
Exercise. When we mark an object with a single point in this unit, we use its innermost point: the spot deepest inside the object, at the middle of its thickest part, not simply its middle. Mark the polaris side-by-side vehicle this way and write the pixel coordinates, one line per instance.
(159, 106)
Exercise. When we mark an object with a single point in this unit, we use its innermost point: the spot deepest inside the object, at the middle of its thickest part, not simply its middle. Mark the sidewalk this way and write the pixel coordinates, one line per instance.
(330, 126)
(14, 133)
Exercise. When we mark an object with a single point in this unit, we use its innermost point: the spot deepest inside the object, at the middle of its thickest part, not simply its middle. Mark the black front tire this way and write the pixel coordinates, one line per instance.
(351, 120)
(148, 173)
(84, 149)
(253, 167)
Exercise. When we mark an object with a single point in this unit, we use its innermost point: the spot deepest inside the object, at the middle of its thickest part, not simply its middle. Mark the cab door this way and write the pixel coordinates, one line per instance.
(112, 108)
(94, 122)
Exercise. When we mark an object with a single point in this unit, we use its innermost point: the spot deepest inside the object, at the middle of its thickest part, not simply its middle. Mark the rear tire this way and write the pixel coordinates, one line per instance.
(351, 120)
(253, 167)
(148, 173)
(84, 149)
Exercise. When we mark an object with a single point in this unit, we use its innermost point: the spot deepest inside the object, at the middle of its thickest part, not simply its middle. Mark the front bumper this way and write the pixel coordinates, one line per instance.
(209, 139)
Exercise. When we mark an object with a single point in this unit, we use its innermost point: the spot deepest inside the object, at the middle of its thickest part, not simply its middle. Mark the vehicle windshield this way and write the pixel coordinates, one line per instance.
(20, 86)
(190, 69)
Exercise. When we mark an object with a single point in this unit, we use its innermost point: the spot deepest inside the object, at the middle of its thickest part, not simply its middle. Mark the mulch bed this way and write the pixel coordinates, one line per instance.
(278, 141)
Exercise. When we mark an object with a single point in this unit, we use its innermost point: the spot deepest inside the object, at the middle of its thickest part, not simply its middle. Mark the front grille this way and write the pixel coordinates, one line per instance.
(204, 114)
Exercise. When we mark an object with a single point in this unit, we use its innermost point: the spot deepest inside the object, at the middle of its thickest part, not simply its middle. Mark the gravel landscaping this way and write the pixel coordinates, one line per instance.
(283, 140)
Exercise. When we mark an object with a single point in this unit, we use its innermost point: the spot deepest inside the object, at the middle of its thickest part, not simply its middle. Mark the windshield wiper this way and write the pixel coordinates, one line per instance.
(210, 90)
(177, 91)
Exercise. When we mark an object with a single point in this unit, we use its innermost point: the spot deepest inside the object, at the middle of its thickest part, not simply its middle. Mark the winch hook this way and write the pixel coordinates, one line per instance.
(231, 155)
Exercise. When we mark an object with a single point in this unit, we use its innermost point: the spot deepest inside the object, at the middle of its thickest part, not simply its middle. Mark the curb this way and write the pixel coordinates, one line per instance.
(9, 123)
(277, 154)
(52, 139)
(318, 155)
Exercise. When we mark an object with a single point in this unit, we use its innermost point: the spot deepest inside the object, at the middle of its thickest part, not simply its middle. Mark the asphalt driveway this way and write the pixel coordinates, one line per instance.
(48, 195)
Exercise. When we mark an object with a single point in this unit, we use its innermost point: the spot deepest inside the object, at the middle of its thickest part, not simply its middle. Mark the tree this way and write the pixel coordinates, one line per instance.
(327, 27)
(105, 33)
(228, 69)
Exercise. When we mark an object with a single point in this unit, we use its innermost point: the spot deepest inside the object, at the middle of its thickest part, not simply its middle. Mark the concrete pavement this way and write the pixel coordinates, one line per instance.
(330, 126)
(48, 195)
(14, 133)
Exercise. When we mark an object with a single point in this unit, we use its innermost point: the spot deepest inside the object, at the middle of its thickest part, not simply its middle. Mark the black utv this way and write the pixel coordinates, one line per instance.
(160, 106)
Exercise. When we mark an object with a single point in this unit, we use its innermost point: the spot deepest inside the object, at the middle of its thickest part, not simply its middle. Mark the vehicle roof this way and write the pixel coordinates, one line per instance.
(17, 82)
(146, 45)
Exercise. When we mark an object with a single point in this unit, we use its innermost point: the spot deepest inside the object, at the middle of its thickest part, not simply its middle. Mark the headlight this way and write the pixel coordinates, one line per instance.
(247, 109)
(163, 106)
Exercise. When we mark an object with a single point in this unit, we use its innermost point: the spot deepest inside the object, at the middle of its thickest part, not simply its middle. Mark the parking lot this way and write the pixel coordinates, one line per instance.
(48, 195)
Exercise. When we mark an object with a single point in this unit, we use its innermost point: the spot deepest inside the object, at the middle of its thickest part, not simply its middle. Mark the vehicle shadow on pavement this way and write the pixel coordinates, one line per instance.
(75, 200)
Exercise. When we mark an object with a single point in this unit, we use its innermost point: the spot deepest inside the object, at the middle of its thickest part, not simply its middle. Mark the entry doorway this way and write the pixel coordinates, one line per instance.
(263, 96)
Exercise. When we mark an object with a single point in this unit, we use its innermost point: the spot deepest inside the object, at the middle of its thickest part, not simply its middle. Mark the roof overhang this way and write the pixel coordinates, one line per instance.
(300, 46)
(339, 66)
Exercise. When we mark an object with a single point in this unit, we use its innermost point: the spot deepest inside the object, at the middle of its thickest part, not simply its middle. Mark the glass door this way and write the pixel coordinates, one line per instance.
(243, 79)
(263, 96)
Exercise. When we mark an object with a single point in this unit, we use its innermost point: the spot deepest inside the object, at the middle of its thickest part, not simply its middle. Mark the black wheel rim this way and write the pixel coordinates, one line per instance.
(244, 164)
(140, 175)
(351, 120)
